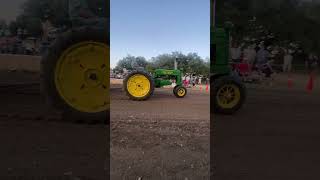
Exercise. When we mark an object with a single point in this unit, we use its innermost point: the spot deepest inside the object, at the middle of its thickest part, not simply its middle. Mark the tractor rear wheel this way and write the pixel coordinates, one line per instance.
(179, 91)
(229, 95)
(138, 85)
(75, 75)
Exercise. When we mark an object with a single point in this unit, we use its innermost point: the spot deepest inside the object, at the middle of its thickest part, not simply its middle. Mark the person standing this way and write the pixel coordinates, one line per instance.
(262, 56)
(188, 80)
(250, 54)
(287, 61)
(307, 62)
(310, 62)
(235, 53)
(193, 81)
(315, 62)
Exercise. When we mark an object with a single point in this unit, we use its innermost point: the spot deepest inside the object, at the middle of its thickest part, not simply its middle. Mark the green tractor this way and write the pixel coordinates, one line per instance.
(228, 92)
(75, 69)
(139, 85)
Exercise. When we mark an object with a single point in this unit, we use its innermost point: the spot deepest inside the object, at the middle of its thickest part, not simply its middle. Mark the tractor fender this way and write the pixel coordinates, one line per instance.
(213, 77)
(232, 74)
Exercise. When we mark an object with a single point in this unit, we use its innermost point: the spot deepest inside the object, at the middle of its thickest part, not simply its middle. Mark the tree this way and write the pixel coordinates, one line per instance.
(35, 11)
(129, 61)
(191, 63)
(301, 19)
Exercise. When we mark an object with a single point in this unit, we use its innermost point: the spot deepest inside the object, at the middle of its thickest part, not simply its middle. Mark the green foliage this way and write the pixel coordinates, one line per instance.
(190, 63)
(35, 11)
(292, 20)
(129, 61)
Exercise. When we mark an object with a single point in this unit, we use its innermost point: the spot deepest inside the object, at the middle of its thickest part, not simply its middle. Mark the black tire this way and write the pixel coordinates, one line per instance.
(219, 83)
(177, 89)
(49, 62)
(148, 95)
(174, 89)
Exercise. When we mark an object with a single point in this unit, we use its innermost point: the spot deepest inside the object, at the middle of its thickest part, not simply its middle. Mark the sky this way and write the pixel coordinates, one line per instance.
(151, 27)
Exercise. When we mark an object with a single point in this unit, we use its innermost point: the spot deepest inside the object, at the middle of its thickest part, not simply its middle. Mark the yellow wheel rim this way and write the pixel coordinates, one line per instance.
(138, 85)
(181, 92)
(82, 76)
(228, 96)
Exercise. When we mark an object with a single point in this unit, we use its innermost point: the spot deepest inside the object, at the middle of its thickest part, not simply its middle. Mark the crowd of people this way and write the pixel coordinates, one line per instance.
(24, 43)
(193, 80)
(261, 55)
(15, 45)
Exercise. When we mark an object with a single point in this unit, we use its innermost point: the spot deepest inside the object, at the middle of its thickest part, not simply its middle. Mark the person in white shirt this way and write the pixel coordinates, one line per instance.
(287, 61)
(235, 53)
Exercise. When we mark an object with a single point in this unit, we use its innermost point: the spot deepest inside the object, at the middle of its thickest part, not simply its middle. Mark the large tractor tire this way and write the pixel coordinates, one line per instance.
(228, 96)
(138, 85)
(75, 75)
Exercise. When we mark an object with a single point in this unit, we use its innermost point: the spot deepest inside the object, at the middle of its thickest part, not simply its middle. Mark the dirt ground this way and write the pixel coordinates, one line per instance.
(37, 144)
(161, 138)
(274, 136)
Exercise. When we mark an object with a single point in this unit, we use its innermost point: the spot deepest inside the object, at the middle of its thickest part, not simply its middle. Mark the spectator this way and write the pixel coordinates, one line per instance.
(312, 61)
(235, 53)
(262, 56)
(287, 61)
(307, 62)
(277, 55)
(315, 62)
(188, 80)
(193, 81)
(250, 54)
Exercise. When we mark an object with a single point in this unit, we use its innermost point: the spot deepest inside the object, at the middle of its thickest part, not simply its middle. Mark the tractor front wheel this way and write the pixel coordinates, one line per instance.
(138, 85)
(229, 95)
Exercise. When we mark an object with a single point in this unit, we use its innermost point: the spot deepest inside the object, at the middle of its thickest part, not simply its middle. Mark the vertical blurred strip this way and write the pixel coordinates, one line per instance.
(212, 59)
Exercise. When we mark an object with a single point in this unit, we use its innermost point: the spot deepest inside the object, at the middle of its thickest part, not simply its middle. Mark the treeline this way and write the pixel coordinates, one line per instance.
(290, 20)
(190, 63)
(33, 13)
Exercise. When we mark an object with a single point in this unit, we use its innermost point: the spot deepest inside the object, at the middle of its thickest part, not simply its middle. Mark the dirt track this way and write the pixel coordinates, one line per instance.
(36, 143)
(162, 138)
(275, 136)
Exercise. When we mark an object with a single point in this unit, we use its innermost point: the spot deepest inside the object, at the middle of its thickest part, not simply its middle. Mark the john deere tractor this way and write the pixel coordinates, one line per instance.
(228, 92)
(75, 69)
(139, 85)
